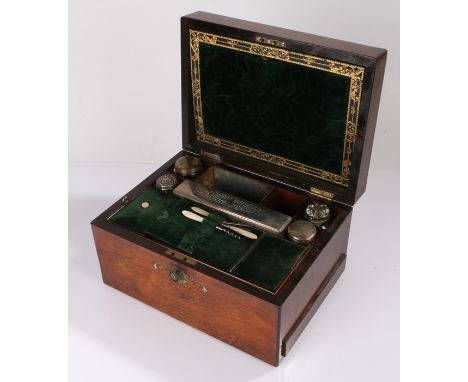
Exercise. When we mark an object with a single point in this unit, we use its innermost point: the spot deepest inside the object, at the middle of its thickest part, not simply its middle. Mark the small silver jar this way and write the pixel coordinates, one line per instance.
(166, 182)
(317, 213)
(188, 165)
(301, 231)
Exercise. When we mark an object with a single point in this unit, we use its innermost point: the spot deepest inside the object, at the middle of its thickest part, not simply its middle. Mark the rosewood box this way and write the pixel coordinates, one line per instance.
(278, 120)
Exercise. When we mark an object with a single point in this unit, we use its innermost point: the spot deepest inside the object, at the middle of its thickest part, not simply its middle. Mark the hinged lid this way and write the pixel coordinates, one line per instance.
(293, 104)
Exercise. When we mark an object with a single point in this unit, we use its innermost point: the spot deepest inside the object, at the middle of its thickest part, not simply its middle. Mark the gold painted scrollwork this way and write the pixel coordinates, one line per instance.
(354, 72)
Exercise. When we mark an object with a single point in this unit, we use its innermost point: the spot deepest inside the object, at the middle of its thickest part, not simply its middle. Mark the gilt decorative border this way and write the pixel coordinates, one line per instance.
(354, 72)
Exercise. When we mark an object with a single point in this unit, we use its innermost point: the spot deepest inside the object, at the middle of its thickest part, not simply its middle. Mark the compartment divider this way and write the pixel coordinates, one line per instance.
(268, 194)
(236, 264)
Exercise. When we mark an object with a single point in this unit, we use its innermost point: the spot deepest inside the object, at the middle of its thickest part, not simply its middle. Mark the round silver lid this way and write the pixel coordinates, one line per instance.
(188, 165)
(317, 213)
(301, 231)
(166, 182)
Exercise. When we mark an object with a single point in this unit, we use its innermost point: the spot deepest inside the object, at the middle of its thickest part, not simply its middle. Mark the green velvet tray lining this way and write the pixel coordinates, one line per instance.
(278, 107)
(264, 262)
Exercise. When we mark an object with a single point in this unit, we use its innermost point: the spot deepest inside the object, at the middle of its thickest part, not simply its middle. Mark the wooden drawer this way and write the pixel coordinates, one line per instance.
(176, 288)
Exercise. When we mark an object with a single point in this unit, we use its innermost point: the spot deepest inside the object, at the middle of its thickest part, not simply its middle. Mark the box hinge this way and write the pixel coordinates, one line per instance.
(270, 41)
(317, 192)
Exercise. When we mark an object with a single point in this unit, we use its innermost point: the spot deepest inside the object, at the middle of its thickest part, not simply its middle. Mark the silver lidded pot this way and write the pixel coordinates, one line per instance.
(301, 231)
(188, 166)
(317, 213)
(166, 182)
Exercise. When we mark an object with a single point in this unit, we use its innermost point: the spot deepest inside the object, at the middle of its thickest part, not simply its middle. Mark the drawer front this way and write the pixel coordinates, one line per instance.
(203, 302)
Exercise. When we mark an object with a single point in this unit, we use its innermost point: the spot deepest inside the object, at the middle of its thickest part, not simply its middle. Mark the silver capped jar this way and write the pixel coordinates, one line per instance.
(188, 165)
(317, 213)
(301, 231)
(166, 182)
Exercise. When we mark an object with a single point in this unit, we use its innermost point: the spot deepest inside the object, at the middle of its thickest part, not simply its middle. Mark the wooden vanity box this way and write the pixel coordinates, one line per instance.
(292, 112)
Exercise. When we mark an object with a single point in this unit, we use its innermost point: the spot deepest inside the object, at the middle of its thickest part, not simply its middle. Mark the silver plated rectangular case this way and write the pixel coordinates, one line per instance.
(236, 208)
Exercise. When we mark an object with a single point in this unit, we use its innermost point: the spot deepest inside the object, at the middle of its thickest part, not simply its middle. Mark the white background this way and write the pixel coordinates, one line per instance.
(33, 160)
(124, 121)
(124, 62)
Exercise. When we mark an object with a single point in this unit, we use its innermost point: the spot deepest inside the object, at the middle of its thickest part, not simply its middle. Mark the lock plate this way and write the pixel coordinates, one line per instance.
(178, 275)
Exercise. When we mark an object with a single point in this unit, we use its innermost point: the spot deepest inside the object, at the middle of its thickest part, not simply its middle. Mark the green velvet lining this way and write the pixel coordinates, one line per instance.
(137, 218)
(163, 221)
(269, 262)
(274, 106)
(266, 265)
(201, 240)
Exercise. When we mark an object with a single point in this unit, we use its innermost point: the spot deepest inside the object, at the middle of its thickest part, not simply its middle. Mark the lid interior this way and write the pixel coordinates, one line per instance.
(292, 109)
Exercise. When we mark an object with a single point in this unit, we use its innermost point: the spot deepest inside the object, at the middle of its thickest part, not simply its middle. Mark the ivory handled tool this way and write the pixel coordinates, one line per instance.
(246, 233)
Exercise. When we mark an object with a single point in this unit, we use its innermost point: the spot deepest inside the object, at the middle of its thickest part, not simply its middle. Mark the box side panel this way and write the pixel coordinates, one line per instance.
(322, 292)
(207, 304)
(371, 124)
(308, 290)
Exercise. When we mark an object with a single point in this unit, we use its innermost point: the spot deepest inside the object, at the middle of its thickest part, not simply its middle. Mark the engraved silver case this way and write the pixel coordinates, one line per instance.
(236, 208)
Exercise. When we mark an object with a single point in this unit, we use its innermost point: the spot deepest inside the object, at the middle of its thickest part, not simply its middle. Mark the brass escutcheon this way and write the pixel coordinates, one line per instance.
(178, 276)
